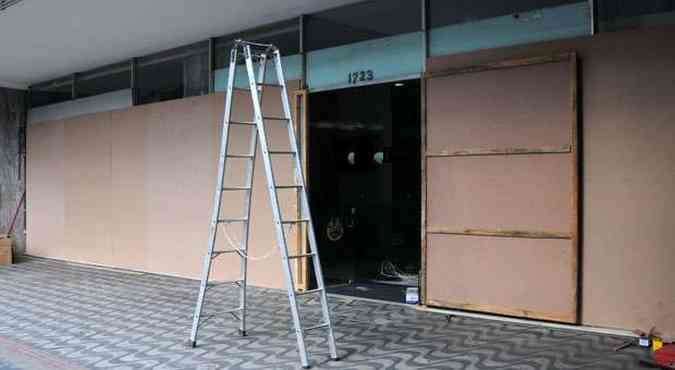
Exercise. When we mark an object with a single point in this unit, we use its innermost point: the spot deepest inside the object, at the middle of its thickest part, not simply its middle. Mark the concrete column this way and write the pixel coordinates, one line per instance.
(12, 163)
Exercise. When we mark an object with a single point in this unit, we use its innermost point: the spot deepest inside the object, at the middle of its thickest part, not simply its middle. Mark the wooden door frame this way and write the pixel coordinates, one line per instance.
(572, 148)
(301, 121)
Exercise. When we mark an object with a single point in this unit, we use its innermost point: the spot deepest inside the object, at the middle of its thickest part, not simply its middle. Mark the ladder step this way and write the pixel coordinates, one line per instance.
(247, 156)
(320, 326)
(288, 222)
(220, 283)
(232, 220)
(268, 85)
(289, 187)
(270, 118)
(228, 251)
(255, 44)
(246, 123)
(282, 152)
(311, 291)
(231, 310)
(234, 188)
(306, 255)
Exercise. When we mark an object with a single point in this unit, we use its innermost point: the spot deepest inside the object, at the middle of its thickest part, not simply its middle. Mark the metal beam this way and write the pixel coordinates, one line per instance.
(133, 67)
(591, 7)
(212, 65)
(303, 56)
(73, 84)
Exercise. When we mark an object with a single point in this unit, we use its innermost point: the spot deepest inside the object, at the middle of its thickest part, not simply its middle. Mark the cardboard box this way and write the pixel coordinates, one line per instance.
(5, 250)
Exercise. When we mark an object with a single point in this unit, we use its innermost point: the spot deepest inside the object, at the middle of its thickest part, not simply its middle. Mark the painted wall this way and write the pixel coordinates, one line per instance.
(628, 176)
(133, 188)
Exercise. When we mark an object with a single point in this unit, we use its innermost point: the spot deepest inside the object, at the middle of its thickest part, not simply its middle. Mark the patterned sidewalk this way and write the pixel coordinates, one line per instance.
(56, 315)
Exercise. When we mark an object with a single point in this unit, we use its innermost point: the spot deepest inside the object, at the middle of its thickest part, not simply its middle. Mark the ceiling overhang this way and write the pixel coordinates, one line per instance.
(45, 39)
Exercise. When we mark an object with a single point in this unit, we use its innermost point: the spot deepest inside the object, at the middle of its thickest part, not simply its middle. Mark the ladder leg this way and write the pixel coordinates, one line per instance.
(246, 227)
(271, 186)
(253, 144)
(217, 201)
(320, 284)
(200, 299)
(305, 210)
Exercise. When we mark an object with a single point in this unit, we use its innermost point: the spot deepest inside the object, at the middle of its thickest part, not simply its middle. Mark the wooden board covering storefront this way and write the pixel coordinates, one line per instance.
(133, 188)
(501, 171)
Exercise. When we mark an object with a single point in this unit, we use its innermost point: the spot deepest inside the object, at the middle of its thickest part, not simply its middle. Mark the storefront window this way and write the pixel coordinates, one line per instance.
(285, 35)
(51, 92)
(621, 14)
(103, 80)
(173, 74)
(362, 21)
(448, 12)
(459, 26)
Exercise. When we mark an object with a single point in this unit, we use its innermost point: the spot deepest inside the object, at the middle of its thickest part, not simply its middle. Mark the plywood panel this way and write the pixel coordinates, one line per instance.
(525, 107)
(629, 171)
(522, 277)
(128, 191)
(180, 144)
(520, 192)
(87, 189)
(265, 264)
(45, 203)
(501, 183)
(134, 188)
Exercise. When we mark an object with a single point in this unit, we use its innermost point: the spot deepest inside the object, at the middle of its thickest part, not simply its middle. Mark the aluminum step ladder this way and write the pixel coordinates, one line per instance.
(260, 53)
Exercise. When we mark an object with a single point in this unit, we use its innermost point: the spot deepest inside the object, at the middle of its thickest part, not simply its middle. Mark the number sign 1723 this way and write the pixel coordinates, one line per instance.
(360, 76)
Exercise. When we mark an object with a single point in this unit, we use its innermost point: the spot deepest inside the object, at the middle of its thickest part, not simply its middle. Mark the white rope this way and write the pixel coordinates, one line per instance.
(247, 255)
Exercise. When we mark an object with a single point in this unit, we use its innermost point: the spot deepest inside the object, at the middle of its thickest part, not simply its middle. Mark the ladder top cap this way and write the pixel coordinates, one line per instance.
(254, 44)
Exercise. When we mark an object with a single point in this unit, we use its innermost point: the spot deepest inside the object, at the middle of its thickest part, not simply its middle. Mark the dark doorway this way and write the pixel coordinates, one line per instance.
(364, 181)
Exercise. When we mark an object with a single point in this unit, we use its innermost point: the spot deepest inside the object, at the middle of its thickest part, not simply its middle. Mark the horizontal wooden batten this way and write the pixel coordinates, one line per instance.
(502, 64)
(501, 233)
(502, 151)
(506, 311)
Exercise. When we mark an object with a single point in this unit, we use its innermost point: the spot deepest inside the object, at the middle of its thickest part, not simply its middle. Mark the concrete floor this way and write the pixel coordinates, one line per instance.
(56, 315)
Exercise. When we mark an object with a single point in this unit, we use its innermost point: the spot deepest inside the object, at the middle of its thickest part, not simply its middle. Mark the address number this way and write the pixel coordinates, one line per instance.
(360, 76)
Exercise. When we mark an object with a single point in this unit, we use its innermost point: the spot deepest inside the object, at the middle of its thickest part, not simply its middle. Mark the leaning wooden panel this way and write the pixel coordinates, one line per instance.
(523, 192)
(502, 110)
(511, 276)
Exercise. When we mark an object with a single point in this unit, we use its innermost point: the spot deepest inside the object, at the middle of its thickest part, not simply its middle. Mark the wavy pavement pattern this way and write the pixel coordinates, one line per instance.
(111, 319)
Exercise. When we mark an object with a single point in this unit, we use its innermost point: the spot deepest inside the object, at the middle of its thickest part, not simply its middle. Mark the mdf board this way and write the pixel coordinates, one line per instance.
(129, 217)
(530, 192)
(501, 189)
(45, 181)
(512, 276)
(134, 188)
(87, 189)
(179, 171)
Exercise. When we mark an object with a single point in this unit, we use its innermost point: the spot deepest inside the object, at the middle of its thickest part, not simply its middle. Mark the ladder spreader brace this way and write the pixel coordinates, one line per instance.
(256, 87)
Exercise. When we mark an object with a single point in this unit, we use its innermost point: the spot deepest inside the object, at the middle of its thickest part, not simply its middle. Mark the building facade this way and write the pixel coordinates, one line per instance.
(514, 160)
